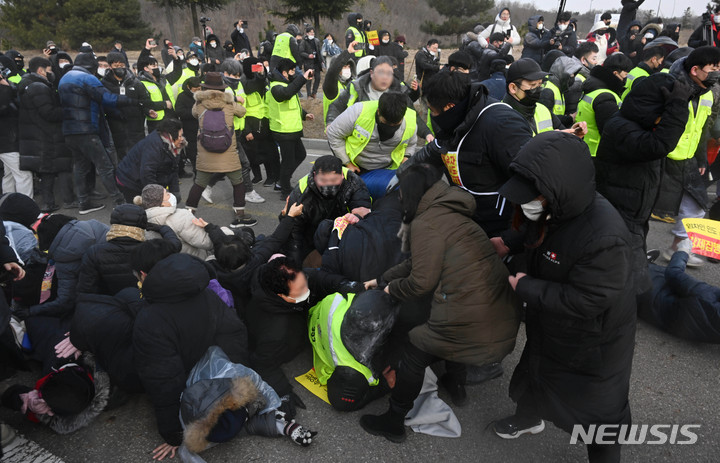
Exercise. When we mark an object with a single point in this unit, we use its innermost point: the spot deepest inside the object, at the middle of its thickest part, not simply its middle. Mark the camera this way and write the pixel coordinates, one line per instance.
(204, 20)
(5, 72)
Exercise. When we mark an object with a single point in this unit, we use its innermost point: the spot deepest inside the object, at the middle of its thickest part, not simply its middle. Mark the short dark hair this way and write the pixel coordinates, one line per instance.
(415, 181)
(392, 106)
(285, 64)
(432, 42)
(276, 275)
(496, 37)
(115, 57)
(145, 255)
(381, 60)
(102, 58)
(232, 253)
(653, 52)
(564, 16)
(171, 126)
(446, 87)
(585, 49)
(145, 62)
(327, 164)
(232, 67)
(618, 62)
(606, 15)
(191, 82)
(460, 59)
(37, 63)
(701, 57)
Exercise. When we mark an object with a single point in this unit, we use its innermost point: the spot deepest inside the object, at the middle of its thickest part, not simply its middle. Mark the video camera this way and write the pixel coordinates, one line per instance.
(204, 20)
(5, 72)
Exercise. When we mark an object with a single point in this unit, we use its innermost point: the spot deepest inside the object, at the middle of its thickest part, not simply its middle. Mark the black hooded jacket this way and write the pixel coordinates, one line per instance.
(581, 312)
(217, 53)
(182, 319)
(240, 41)
(604, 105)
(127, 124)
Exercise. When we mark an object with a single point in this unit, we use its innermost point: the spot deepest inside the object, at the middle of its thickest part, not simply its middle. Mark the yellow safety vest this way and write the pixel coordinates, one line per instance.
(303, 182)
(543, 119)
(324, 325)
(282, 46)
(359, 38)
(581, 77)
(156, 97)
(353, 94)
(175, 88)
(285, 116)
(15, 79)
(256, 106)
(238, 122)
(586, 113)
(632, 75)
(364, 127)
(690, 138)
(559, 101)
(327, 101)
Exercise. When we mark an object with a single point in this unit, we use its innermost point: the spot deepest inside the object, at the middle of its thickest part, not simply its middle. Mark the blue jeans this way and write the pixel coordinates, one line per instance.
(377, 181)
(88, 151)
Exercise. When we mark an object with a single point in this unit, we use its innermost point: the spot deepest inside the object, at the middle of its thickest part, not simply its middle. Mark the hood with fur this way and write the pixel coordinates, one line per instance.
(213, 99)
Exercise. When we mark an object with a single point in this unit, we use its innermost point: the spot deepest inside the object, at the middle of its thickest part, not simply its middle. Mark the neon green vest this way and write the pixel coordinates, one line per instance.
(177, 86)
(359, 38)
(327, 101)
(665, 70)
(543, 119)
(255, 106)
(15, 79)
(238, 122)
(690, 138)
(632, 75)
(353, 95)
(581, 77)
(364, 127)
(586, 113)
(304, 181)
(285, 116)
(325, 321)
(156, 97)
(429, 123)
(282, 46)
(559, 106)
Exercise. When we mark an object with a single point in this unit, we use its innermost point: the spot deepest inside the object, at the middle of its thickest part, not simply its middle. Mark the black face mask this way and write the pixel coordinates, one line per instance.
(531, 96)
(450, 119)
(156, 73)
(50, 77)
(711, 79)
(329, 191)
(385, 131)
(20, 64)
(120, 72)
(233, 82)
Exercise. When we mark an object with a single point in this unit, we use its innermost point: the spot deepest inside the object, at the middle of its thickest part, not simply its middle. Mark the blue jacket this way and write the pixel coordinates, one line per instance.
(82, 96)
(149, 161)
(682, 305)
(496, 85)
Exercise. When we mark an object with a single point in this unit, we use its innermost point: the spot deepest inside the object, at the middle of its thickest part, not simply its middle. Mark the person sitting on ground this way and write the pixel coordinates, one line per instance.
(105, 268)
(161, 208)
(153, 160)
(373, 138)
(329, 191)
(177, 294)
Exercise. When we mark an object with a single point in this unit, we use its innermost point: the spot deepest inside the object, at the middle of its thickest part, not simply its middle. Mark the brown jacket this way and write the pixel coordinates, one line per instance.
(229, 161)
(474, 317)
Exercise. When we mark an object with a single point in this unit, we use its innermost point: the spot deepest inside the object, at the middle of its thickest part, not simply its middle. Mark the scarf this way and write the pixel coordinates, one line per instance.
(122, 231)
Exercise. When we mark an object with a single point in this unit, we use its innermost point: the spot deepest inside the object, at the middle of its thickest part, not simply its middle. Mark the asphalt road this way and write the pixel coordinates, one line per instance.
(673, 382)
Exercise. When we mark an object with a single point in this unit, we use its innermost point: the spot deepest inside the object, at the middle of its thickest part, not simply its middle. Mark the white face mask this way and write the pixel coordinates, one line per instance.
(310, 37)
(62, 65)
(302, 298)
(172, 200)
(533, 210)
(346, 73)
(193, 62)
(241, 30)
(213, 44)
(101, 71)
(562, 27)
(386, 41)
(716, 19)
(434, 53)
(181, 57)
(330, 41)
(540, 26)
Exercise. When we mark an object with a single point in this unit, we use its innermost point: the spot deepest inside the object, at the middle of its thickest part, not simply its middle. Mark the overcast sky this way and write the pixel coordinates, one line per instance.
(666, 6)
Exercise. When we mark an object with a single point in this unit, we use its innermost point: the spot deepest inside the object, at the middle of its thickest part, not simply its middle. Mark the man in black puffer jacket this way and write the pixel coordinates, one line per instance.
(633, 147)
(106, 266)
(42, 145)
(328, 191)
(181, 320)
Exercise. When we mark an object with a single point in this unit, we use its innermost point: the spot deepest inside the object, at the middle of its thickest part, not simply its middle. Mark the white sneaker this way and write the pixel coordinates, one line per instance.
(695, 261)
(254, 197)
(207, 194)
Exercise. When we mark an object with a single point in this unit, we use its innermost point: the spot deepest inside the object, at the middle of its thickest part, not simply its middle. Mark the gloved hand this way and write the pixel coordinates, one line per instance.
(289, 403)
(347, 286)
(680, 92)
(21, 313)
(152, 227)
(294, 431)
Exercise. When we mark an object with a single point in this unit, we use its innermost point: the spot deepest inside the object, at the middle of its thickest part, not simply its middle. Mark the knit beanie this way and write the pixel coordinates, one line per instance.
(152, 196)
(68, 391)
(17, 207)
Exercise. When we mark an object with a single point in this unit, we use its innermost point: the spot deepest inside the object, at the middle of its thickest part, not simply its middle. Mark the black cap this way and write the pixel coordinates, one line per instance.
(519, 190)
(525, 69)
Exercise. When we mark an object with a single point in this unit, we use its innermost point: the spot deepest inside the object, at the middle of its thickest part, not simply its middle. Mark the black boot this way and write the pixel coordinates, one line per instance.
(456, 390)
(390, 425)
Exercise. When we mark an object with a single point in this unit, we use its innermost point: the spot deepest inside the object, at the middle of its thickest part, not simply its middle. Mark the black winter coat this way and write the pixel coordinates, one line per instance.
(240, 41)
(311, 47)
(183, 109)
(127, 124)
(149, 161)
(426, 65)
(536, 42)
(42, 145)
(182, 319)
(9, 139)
(217, 53)
(581, 313)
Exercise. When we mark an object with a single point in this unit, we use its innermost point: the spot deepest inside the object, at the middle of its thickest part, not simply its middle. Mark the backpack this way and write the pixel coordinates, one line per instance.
(215, 136)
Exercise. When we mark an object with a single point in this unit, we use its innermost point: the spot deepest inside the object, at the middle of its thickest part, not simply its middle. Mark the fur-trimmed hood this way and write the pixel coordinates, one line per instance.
(212, 99)
(204, 402)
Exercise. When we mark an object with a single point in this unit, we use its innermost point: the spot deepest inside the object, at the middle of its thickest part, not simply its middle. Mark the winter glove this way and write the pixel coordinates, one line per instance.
(680, 92)
(152, 227)
(294, 431)
(21, 313)
(289, 403)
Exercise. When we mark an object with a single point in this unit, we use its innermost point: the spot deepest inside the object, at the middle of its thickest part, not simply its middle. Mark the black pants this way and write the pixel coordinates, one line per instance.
(411, 374)
(63, 180)
(88, 152)
(293, 154)
(128, 193)
(313, 84)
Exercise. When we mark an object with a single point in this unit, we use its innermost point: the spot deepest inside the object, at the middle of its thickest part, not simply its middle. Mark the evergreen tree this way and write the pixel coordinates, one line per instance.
(296, 11)
(462, 16)
(193, 5)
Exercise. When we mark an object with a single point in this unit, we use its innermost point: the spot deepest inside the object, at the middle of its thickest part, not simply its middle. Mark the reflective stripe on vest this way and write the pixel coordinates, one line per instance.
(238, 122)
(256, 106)
(690, 138)
(282, 46)
(327, 101)
(359, 38)
(635, 73)
(363, 130)
(285, 116)
(586, 113)
(324, 330)
(559, 101)
(543, 119)
(156, 97)
(303, 183)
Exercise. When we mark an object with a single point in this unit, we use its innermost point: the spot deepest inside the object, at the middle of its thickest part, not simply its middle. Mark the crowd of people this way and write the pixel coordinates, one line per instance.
(522, 192)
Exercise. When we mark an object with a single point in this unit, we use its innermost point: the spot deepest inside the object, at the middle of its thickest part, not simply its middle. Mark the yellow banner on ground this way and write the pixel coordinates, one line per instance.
(373, 38)
(311, 382)
(705, 236)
